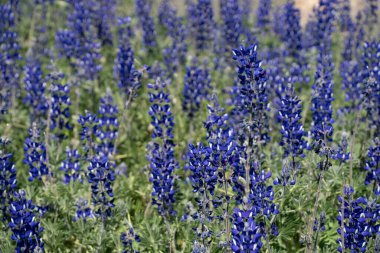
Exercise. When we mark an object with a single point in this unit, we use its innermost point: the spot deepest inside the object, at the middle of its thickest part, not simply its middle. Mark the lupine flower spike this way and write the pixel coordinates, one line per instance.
(26, 229)
(8, 181)
(161, 151)
(35, 155)
(373, 166)
(101, 175)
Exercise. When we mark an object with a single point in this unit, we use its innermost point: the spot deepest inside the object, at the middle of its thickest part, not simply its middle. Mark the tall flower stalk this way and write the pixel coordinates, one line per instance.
(161, 154)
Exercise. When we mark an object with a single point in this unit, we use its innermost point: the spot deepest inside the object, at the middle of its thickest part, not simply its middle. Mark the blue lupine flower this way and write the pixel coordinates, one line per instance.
(78, 42)
(9, 57)
(309, 35)
(35, 155)
(350, 73)
(157, 71)
(252, 100)
(278, 21)
(325, 17)
(104, 18)
(290, 115)
(101, 175)
(124, 70)
(175, 53)
(35, 88)
(26, 229)
(320, 28)
(320, 224)
(203, 22)
(8, 180)
(108, 125)
(161, 152)
(165, 12)
(292, 139)
(345, 20)
(232, 23)
(370, 62)
(341, 153)
(204, 175)
(370, 79)
(261, 195)
(359, 220)
(89, 124)
(143, 8)
(40, 48)
(60, 102)
(321, 108)
(371, 103)
(220, 136)
(263, 13)
(72, 166)
(293, 30)
(127, 238)
(373, 166)
(203, 178)
(83, 211)
(258, 200)
(197, 85)
(246, 233)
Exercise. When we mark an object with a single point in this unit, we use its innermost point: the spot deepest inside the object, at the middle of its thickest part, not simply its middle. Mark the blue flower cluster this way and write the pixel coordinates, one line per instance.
(232, 23)
(322, 97)
(8, 180)
(197, 86)
(373, 166)
(104, 17)
(252, 101)
(345, 20)
(9, 57)
(293, 30)
(35, 155)
(108, 125)
(26, 229)
(203, 178)
(360, 222)
(325, 17)
(202, 21)
(161, 152)
(246, 233)
(35, 87)
(79, 43)
(127, 238)
(89, 126)
(292, 131)
(175, 53)
(60, 102)
(72, 166)
(101, 175)
(371, 88)
(83, 211)
(124, 70)
(143, 8)
(371, 103)
(263, 13)
(257, 202)
(220, 137)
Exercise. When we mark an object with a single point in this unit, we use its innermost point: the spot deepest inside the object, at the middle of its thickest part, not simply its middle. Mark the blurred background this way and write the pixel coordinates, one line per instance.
(306, 6)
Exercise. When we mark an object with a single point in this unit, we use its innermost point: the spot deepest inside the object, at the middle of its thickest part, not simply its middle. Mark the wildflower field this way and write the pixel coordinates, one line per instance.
(207, 126)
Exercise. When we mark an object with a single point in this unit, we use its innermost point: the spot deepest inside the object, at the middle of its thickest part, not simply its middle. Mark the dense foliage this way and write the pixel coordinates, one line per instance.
(220, 126)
